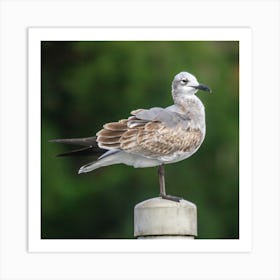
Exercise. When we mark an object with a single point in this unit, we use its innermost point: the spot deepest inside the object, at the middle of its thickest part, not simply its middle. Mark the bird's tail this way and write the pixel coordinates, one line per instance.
(105, 157)
(90, 147)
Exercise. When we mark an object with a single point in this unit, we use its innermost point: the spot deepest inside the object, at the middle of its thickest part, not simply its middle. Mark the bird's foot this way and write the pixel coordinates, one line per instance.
(171, 197)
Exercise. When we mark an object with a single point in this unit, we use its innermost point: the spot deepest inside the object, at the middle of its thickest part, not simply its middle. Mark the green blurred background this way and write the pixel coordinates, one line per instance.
(86, 84)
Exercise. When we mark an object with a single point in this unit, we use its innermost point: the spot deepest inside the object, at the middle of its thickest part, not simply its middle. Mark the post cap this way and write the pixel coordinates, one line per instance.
(162, 218)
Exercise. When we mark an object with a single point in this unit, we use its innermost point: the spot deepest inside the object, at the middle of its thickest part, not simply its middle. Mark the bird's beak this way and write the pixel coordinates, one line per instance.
(202, 87)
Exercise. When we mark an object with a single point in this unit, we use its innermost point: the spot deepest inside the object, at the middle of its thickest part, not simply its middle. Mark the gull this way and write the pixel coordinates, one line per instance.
(150, 137)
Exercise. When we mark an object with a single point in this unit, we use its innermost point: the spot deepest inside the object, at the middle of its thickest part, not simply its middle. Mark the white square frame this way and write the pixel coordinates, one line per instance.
(243, 35)
(262, 262)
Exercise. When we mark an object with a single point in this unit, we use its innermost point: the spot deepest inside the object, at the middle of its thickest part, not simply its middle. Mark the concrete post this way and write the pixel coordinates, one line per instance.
(162, 218)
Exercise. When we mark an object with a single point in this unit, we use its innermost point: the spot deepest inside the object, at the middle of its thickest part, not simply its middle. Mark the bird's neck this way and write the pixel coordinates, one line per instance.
(193, 110)
(185, 102)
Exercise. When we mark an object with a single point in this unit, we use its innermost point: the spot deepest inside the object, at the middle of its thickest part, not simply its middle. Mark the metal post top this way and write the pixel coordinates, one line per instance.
(159, 202)
(162, 217)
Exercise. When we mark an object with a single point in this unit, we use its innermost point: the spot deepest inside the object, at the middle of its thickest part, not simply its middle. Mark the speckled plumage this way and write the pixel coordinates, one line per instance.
(152, 139)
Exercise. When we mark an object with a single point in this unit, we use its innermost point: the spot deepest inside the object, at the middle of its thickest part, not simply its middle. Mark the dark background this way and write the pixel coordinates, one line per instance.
(86, 84)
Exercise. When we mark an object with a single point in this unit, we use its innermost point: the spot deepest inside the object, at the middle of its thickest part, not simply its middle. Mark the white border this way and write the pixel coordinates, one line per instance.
(262, 262)
(243, 35)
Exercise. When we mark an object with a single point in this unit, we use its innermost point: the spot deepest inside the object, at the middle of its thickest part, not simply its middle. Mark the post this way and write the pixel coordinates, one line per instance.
(162, 218)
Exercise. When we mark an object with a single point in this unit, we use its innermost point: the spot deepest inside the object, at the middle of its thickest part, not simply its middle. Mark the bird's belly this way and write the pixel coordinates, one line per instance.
(176, 156)
(138, 161)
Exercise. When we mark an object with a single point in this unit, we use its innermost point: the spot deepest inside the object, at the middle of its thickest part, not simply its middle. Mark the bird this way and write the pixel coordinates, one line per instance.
(150, 137)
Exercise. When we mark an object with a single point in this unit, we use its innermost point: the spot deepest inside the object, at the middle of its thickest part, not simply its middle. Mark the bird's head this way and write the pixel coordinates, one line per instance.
(186, 84)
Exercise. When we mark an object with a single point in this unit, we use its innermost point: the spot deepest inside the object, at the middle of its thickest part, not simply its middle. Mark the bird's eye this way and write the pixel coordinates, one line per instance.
(184, 81)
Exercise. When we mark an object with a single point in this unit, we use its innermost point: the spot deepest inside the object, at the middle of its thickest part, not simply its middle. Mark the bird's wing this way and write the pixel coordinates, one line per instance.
(164, 115)
(151, 133)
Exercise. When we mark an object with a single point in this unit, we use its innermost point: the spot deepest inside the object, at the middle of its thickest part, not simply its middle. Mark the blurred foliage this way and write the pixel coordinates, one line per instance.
(86, 84)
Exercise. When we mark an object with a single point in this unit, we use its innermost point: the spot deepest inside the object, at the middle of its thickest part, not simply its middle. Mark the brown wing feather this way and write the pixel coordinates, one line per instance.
(109, 136)
(149, 138)
(154, 140)
(116, 126)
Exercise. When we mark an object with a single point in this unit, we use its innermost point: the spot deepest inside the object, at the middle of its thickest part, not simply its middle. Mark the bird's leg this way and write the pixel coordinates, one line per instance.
(161, 180)
(162, 186)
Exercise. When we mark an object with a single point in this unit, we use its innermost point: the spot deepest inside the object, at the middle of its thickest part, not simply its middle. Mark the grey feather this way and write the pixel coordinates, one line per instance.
(86, 141)
(164, 115)
(89, 144)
